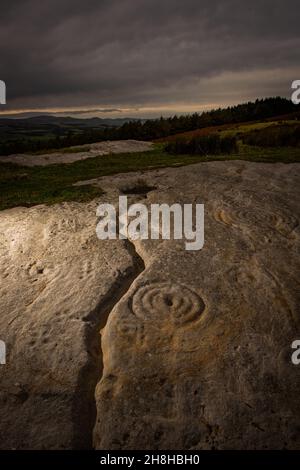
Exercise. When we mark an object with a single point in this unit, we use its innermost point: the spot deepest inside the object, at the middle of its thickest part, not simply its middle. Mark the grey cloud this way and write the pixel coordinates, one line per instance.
(137, 52)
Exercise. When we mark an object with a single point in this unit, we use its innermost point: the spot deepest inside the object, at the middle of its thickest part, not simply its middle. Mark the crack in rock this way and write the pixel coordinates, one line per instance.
(84, 411)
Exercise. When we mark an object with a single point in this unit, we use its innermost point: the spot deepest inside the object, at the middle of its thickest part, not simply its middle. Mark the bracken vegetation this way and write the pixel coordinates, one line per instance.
(212, 144)
(274, 136)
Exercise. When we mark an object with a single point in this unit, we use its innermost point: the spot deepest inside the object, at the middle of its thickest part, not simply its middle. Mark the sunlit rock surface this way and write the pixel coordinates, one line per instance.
(195, 350)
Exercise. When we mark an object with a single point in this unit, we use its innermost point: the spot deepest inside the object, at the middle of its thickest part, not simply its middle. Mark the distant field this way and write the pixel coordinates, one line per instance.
(48, 133)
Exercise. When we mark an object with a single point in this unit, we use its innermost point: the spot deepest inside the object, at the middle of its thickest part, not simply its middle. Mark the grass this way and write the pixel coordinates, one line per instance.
(228, 129)
(242, 128)
(27, 186)
(239, 128)
(77, 149)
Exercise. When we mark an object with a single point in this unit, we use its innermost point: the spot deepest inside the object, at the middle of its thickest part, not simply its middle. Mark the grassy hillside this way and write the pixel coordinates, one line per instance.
(233, 128)
(28, 186)
(48, 132)
(250, 139)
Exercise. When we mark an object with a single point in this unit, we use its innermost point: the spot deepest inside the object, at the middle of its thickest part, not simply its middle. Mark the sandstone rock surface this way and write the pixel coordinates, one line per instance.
(91, 150)
(195, 347)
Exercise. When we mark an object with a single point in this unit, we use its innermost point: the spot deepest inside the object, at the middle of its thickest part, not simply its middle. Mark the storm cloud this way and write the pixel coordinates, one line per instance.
(164, 55)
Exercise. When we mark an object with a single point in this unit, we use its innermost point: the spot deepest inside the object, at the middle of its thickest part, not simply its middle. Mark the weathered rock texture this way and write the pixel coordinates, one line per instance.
(197, 345)
(92, 150)
(57, 286)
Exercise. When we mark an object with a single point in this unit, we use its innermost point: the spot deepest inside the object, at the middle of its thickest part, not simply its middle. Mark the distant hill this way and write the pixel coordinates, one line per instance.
(48, 131)
(62, 121)
(38, 133)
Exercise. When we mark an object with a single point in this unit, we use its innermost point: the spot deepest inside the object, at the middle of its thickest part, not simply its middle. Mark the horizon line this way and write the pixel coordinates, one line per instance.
(161, 109)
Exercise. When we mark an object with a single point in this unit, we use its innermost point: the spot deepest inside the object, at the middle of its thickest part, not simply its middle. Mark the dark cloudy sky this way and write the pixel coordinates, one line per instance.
(146, 57)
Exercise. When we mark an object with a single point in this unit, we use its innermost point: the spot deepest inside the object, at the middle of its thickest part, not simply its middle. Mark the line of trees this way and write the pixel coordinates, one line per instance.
(152, 129)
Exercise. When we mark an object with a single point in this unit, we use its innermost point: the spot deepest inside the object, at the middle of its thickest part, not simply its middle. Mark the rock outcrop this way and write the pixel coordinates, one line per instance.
(195, 347)
(81, 152)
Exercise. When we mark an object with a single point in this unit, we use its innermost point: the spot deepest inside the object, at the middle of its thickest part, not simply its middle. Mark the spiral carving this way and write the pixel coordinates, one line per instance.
(161, 302)
(284, 223)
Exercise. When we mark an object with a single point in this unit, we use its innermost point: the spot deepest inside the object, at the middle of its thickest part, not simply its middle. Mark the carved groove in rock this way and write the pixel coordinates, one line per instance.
(284, 223)
(84, 406)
